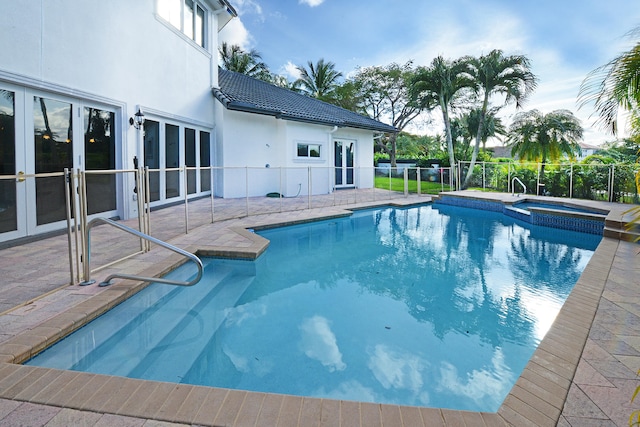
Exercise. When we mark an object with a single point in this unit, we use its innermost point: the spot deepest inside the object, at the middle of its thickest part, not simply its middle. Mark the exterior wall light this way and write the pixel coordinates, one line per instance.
(137, 120)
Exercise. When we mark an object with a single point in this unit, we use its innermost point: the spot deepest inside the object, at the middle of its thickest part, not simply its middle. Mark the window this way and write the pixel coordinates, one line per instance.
(309, 150)
(188, 16)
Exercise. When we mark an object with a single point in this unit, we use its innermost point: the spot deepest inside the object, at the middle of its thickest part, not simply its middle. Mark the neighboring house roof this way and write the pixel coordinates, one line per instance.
(240, 92)
(586, 146)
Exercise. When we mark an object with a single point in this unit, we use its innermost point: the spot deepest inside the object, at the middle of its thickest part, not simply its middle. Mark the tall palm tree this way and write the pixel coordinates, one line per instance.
(438, 85)
(544, 137)
(249, 63)
(497, 74)
(319, 80)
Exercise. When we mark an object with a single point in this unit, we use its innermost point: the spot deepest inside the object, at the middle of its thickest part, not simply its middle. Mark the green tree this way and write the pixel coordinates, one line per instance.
(320, 80)
(384, 94)
(439, 85)
(233, 58)
(541, 137)
(497, 74)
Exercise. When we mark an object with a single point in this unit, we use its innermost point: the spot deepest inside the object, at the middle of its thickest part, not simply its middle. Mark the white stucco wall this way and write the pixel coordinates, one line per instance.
(115, 53)
(247, 143)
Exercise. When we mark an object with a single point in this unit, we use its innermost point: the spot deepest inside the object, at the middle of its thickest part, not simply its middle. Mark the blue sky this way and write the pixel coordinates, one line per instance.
(564, 39)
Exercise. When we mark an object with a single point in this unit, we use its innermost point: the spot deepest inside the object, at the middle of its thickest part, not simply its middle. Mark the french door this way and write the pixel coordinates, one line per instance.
(169, 146)
(45, 134)
(344, 156)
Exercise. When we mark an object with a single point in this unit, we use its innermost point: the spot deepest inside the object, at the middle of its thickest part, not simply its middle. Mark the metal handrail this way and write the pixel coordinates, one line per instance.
(107, 281)
(513, 187)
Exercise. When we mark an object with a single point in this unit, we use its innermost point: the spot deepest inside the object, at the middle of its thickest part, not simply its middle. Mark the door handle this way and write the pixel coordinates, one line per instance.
(20, 179)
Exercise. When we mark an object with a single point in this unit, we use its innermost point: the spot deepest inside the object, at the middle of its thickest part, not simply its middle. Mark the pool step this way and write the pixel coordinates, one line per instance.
(184, 344)
(138, 322)
(619, 229)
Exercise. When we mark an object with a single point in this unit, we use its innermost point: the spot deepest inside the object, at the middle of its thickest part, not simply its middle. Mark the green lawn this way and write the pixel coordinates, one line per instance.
(397, 184)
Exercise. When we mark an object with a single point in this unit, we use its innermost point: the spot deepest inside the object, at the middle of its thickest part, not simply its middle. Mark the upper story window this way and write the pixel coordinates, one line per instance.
(187, 16)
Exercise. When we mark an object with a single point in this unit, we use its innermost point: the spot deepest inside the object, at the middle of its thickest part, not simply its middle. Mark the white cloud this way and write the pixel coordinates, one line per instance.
(311, 3)
(484, 385)
(235, 33)
(290, 70)
(396, 369)
(247, 7)
(319, 343)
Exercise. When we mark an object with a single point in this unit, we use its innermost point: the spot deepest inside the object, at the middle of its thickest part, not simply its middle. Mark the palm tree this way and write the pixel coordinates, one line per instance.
(492, 127)
(615, 84)
(438, 85)
(320, 80)
(494, 74)
(544, 137)
(249, 63)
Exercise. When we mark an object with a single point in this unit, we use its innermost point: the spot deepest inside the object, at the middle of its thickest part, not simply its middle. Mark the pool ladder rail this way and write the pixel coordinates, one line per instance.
(513, 186)
(109, 279)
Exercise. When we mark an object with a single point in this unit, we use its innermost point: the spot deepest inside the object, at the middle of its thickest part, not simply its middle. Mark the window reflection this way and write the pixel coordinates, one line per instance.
(170, 10)
(205, 161)
(152, 156)
(190, 158)
(53, 134)
(187, 16)
(100, 154)
(8, 215)
(188, 19)
(172, 154)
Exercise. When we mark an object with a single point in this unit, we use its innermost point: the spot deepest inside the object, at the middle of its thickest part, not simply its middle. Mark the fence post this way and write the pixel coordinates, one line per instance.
(484, 187)
(612, 185)
(186, 195)
(147, 206)
(68, 180)
(418, 182)
(309, 184)
(212, 183)
(406, 181)
(246, 189)
(571, 181)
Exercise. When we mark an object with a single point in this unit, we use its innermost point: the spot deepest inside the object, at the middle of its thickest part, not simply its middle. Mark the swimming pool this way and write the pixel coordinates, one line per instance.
(431, 286)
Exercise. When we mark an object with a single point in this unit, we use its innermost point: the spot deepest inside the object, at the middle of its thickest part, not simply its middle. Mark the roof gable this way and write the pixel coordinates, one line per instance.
(240, 92)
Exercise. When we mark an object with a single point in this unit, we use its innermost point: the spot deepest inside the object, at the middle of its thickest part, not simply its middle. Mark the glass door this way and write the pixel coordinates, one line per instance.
(344, 161)
(12, 208)
(53, 152)
(42, 134)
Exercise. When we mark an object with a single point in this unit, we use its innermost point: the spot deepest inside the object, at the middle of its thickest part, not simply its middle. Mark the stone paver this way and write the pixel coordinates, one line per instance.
(597, 377)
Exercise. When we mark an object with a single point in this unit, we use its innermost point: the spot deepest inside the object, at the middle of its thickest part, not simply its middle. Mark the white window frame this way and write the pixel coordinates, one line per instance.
(310, 146)
(192, 33)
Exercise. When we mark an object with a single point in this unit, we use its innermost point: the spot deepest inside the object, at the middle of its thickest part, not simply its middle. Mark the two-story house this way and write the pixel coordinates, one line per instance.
(78, 76)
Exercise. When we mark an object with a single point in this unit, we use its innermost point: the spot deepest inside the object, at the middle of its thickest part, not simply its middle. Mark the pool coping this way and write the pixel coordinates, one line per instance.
(537, 398)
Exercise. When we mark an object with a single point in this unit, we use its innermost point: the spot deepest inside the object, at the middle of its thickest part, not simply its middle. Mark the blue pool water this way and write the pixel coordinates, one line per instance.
(431, 306)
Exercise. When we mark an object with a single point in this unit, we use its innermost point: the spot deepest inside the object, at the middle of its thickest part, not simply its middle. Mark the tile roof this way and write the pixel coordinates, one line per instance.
(240, 92)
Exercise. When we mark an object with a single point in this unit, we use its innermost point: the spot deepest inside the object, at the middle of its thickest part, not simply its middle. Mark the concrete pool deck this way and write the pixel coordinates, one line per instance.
(583, 373)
